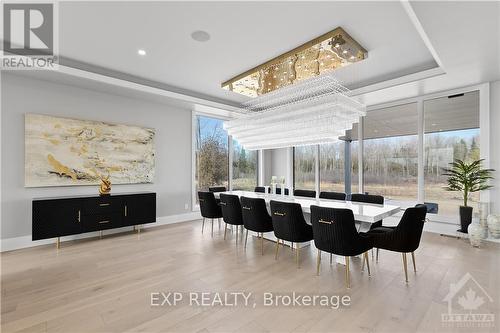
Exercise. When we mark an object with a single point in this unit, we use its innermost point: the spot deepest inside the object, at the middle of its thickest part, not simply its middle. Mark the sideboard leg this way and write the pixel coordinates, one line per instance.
(139, 229)
(58, 243)
(100, 233)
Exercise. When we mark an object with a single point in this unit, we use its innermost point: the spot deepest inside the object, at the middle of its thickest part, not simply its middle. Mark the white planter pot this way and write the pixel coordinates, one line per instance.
(484, 228)
(475, 234)
(494, 225)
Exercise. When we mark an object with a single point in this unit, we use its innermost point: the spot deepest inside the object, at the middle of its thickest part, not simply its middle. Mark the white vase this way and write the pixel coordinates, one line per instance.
(483, 224)
(475, 233)
(494, 225)
(484, 210)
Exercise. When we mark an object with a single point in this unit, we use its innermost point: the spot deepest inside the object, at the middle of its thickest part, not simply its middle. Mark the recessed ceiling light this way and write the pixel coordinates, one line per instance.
(141, 52)
(200, 36)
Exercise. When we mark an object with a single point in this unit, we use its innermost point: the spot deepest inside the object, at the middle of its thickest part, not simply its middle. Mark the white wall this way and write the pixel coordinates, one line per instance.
(267, 167)
(278, 162)
(22, 95)
(495, 144)
(282, 165)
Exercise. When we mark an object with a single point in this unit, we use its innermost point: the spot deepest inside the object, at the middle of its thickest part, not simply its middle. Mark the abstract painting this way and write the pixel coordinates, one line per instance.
(61, 152)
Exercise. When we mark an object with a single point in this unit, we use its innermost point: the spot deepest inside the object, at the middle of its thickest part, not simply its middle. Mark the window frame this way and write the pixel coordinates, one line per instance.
(484, 139)
(230, 146)
(257, 163)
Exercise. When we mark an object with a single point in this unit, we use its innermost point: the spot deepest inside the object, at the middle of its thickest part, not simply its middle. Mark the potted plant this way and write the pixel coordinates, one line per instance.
(467, 178)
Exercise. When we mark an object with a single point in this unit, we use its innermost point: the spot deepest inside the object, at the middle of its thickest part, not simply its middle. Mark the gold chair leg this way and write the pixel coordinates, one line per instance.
(225, 230)
(372, 253)
(236, 234)
(367, 263)
(58, 243)
(377, 253)
(262, 243)
(347, 276)
(202, 225)
(405, 266)
(277, 249)
(291, 246)
(363, 263)
(318, 262)
(246, 238)
(218, 220)
(414, 263)
(331, 258)
(212, 227)
(297, 255)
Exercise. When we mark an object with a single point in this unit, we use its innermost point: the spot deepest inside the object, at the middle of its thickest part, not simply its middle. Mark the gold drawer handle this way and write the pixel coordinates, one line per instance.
(105, 221)
(279, 214)
(79, 216)
(223, 204)
(325, 222)
(104, 204)
(247, 208)
(125, 210)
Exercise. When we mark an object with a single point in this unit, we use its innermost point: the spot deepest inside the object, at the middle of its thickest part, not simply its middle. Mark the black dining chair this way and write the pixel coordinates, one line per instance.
(217, 189)
(231, 212)
(278, 191)
(403, 238)
(335, 232)
(372, 199)
(209, 208)
(260, 189)
(289, 225)
(256, 218)
(332, 195)
(305, 193)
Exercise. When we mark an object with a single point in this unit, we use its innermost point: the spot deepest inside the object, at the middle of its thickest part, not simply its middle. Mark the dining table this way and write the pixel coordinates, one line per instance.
(364, 213)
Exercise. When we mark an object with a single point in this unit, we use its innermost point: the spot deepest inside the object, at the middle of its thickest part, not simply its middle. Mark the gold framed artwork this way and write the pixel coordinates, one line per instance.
(64, 152)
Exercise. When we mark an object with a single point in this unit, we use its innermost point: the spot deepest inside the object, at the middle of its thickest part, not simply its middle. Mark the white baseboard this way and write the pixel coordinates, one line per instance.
(21, 242)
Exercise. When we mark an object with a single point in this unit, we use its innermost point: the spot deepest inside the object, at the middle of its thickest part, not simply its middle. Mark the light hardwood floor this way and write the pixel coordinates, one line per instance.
(104, 285)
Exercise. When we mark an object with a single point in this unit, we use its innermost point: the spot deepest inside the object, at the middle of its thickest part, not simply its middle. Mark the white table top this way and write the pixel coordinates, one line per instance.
(362, 211)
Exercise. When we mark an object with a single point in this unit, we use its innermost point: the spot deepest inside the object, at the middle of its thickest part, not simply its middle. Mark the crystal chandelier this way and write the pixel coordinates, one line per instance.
(328, 52)
(313, 111)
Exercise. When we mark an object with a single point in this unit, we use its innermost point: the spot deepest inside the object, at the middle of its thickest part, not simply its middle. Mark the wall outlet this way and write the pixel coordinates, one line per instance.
(186, 206)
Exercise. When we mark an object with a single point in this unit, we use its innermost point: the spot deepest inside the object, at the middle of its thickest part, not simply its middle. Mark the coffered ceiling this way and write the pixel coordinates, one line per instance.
(413, 48)
(105, 37)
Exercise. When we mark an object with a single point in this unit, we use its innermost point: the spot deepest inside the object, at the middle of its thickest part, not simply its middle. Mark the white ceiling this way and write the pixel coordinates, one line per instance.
(466, 37)
(105, 37)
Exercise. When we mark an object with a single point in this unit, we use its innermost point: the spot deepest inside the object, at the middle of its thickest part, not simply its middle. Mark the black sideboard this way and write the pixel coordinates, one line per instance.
(63, 216)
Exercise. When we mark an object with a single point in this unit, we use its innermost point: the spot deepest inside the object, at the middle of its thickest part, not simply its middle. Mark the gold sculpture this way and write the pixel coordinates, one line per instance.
(105, 187)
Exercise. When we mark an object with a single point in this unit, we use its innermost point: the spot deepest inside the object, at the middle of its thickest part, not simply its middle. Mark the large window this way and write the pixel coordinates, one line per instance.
(244, 168)
(304, 167)
(390, 156)
(451, 132)
(332, 166)
(211, 153)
